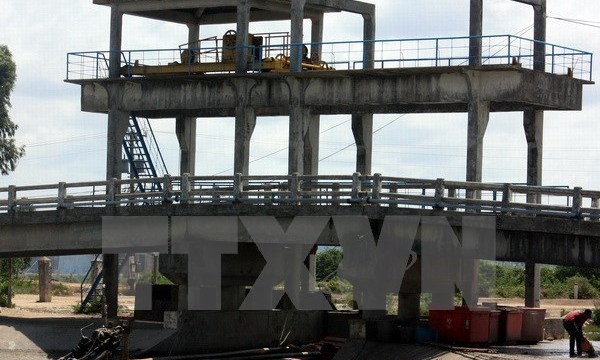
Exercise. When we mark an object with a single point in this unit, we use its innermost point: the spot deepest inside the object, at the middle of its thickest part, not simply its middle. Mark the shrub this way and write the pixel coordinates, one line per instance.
(328, 262)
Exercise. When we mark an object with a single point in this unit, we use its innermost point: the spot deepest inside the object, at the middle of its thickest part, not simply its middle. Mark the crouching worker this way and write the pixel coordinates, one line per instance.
(573, 323)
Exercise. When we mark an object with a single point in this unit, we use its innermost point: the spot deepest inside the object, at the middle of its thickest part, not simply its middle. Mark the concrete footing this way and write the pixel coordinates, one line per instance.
(215, 331)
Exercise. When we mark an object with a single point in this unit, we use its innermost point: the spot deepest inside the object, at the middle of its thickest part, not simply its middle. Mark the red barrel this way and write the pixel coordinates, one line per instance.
(461, 325)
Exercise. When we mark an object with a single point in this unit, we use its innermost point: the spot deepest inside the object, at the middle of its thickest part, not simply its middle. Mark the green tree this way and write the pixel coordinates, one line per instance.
(10, 268)
(328, 262)
(10, 153)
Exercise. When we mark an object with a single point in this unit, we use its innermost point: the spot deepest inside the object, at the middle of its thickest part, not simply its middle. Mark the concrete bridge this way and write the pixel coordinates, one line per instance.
(60, 219)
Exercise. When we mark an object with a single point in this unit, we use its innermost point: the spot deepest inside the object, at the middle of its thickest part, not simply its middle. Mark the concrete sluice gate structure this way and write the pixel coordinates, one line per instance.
(245, 75)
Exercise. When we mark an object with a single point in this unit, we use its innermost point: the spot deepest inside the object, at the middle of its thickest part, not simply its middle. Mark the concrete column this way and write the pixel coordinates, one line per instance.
(311, 145)
(409, 298)
(312, 136)
(475, 30)
(299, 120)
(409, 306)
(185, 128)
(362, 128)
(479, 115)
(539, 34)
(45, 279)
(369, 36)
(117, 125)
(116, 33)
(193, 35)
(533, 123)
(297, 34)
(232, 297)
(243, 30)
(316, 37)
(245, 121)
(532, 284)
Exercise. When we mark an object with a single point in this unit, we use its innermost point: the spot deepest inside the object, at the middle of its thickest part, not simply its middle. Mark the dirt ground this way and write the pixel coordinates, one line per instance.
(28, 306)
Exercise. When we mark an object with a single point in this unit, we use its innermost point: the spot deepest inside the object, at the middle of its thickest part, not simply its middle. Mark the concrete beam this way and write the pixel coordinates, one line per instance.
(242, 32)
(357, 7)
(179, 17)
(339, 92)
(160, 5)
(542, 240)
(531, 2)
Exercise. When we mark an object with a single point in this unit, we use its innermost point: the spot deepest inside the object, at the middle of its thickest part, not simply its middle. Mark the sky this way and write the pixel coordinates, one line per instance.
(65, 144)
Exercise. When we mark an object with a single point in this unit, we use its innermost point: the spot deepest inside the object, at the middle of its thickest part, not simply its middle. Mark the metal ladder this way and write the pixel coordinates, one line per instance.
(96, 289)
(145, 161)
(143, 155)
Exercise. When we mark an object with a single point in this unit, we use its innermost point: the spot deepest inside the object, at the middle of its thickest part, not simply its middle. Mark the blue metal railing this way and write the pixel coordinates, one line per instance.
(348, 55)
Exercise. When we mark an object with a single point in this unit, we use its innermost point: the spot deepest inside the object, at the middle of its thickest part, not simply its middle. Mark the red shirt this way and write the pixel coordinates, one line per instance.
(578, 317)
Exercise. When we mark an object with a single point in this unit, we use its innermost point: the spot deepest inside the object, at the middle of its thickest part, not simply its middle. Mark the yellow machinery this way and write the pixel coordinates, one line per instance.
(196, 59)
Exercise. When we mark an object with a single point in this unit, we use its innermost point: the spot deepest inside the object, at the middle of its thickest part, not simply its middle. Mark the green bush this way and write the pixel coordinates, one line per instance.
(586, 290)
(596, 316)
(95, 306)
(335, 286)
(328, 262)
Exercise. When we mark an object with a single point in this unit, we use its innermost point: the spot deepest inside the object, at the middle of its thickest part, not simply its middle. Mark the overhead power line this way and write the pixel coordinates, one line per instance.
(594, 24)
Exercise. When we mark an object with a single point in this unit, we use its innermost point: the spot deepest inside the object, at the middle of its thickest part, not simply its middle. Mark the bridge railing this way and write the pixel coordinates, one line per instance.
(308, 190)
(348, 55)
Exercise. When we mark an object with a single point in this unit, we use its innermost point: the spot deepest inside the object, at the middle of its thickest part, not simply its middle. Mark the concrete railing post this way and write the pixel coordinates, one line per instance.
(393, 190)
(595, 204)
(294, 184)
(506, 195)
(451, 194)
(167, 188)
(12, 198)
(376, 191)
(111, 191)
(62, 195)
(577, 202)
(356, 186)
(335, 189)
(45, 279)
(440, 188)
(185, 188)
(238, 187)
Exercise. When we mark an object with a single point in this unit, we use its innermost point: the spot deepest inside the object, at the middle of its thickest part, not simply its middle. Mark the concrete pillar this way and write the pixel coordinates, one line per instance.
(409, 298)
(311, 145)
(369, 36)
(185, 128)
(117, 125)
(45, 279)
(316, 37)
(193, 35)
(312, 136)
(243, 30)
(362, 128)
(297, 34)
(532, 284)
(539, 34)
(479, 115)
(533, 124)
(232, 297)
(245, 121)
(475, 31)
(299, 119)
(409, 306)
